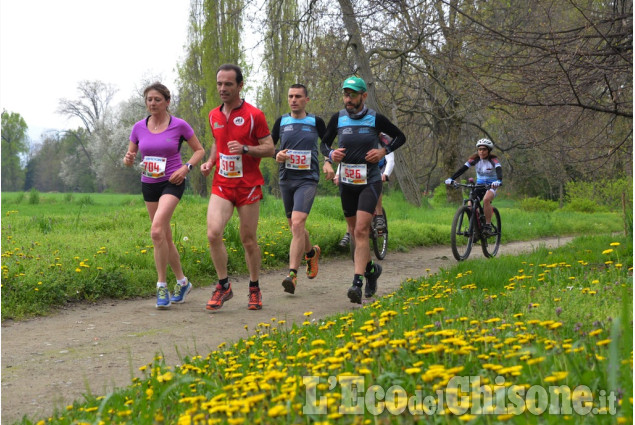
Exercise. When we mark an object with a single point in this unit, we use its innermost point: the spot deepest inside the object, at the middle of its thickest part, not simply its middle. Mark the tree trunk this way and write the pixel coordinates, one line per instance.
(406, 181)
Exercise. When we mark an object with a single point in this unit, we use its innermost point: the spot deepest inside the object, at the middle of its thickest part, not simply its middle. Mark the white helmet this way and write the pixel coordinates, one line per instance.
(485, 142)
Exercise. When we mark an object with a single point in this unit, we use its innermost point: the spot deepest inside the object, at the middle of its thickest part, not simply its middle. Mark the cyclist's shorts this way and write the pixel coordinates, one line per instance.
(153, 191)
(480, 192)
(359, 198)
(298, 195)
(238, 196)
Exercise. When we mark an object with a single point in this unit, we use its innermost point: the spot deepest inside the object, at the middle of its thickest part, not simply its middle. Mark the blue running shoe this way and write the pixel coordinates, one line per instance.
(180, 292)
(163, 298)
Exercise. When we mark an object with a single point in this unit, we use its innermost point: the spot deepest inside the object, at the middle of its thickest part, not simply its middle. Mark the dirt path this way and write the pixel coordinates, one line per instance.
(49, 362)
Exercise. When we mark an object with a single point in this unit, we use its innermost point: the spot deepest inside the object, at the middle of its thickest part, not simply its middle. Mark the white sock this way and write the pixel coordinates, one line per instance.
(182, 282)
(162, 285)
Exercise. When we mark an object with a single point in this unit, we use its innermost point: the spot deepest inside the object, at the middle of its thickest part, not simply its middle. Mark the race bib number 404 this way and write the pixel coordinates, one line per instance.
(230, 166)
(353, 173)
(154, 166)
(298, 160)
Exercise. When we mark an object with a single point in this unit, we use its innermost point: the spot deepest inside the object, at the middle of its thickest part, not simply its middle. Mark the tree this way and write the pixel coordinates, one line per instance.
(14, 144)
(109, 142)
(213, 39)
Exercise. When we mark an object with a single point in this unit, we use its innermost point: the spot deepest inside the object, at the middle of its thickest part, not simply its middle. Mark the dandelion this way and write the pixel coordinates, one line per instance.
(607, 251)
(308, 313)
(615, 244)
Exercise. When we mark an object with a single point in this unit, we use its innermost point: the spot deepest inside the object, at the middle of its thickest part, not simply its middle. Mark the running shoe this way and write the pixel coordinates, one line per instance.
(371, 280)
(312, 263)
(355, 294)
(380, 223)
(487, 230)
(346, 239)
(219, 297)
(163, 298)
(255, 299)
(289, 283)
(180, 292)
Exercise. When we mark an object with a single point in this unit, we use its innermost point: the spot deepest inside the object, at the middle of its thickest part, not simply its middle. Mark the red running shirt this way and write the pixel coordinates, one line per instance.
(247, 125)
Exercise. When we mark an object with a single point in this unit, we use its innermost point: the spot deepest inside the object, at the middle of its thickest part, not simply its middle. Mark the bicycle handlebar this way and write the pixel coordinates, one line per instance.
(456, 185)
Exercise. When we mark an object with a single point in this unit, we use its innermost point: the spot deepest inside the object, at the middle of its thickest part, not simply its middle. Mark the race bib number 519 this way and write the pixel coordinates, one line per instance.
(230, 166)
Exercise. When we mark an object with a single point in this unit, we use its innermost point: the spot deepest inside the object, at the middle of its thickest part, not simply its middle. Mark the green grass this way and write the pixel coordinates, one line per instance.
(559, 319)
(64, 248)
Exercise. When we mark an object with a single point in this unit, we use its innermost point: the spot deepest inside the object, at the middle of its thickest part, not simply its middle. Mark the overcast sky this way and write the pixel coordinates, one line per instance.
(48, 46)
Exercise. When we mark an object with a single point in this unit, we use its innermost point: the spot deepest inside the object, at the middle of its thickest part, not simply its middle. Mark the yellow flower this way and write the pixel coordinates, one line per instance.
(607, 251)
(603, 342)
(277, 410)
(615, 244)
(308, 313)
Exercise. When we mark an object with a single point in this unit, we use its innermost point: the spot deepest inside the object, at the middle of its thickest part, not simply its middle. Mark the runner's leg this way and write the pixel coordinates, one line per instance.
(248, 215)
(164, 250)
(219, 211)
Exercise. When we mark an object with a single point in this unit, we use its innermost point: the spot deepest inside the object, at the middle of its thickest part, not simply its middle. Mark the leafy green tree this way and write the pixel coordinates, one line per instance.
(214, 38)
(14, 144)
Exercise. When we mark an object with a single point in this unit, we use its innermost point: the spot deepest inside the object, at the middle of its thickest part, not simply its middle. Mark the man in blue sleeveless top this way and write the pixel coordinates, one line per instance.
(357, 129)
(298, 132)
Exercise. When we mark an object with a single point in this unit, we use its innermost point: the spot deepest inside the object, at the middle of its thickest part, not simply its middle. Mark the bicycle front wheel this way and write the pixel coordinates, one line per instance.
(380, 239)
(462, 230)
(492, 242)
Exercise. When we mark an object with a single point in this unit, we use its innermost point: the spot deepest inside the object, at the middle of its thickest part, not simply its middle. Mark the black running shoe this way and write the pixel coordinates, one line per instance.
(346, 239)
(371, 281)
(355, 294)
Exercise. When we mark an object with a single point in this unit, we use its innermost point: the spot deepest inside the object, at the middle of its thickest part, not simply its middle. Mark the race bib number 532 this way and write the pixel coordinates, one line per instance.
(298, 160)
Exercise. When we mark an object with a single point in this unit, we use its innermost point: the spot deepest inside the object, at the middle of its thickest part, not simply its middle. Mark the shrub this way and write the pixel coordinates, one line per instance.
(439, 195)
(537, 204)
(605, 192)
(34, 197)
(584, 205)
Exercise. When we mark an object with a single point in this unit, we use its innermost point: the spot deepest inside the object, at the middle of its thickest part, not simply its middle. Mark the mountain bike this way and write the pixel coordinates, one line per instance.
(468, 225)
(378, 238)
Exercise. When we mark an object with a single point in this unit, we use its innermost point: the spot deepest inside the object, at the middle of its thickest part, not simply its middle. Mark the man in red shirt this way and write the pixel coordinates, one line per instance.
(241, 137)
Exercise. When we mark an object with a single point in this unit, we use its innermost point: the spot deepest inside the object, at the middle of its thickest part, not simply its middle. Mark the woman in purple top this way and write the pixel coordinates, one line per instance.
(159, 138)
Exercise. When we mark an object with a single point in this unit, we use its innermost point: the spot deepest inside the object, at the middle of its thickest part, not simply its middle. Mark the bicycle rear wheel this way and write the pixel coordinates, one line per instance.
(492, 242)
(380, 240)
(462, 230)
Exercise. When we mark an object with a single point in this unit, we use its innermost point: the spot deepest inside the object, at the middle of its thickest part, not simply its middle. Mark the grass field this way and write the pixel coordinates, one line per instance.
(545, 338)
(63, 248)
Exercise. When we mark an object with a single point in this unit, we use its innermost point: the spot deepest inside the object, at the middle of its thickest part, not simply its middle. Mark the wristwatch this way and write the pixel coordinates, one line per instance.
(189, 166)
(245, 149)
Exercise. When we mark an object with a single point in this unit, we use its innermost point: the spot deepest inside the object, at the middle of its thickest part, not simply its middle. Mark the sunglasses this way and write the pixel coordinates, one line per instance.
(482, 149)
(351, 95)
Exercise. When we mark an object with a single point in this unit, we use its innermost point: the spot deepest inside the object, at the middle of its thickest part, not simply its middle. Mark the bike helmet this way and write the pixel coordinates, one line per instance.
(485, 142)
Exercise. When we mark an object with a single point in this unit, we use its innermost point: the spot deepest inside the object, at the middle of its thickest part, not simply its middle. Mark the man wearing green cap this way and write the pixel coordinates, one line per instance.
(357, 129)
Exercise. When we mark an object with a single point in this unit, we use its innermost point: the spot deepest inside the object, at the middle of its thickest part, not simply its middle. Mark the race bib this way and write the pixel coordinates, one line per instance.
(154, 166)
(298, 160)
(353, 173)
(230, 166)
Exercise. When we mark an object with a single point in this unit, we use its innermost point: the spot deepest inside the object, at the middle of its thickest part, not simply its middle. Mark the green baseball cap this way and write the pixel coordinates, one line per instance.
(354, 83)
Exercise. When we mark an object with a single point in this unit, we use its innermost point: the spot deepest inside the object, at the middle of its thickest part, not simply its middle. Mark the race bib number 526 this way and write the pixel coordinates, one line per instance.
(353, 173)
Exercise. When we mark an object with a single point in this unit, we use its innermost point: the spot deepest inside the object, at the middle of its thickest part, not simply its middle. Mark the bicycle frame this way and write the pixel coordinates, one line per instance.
(468, 222)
